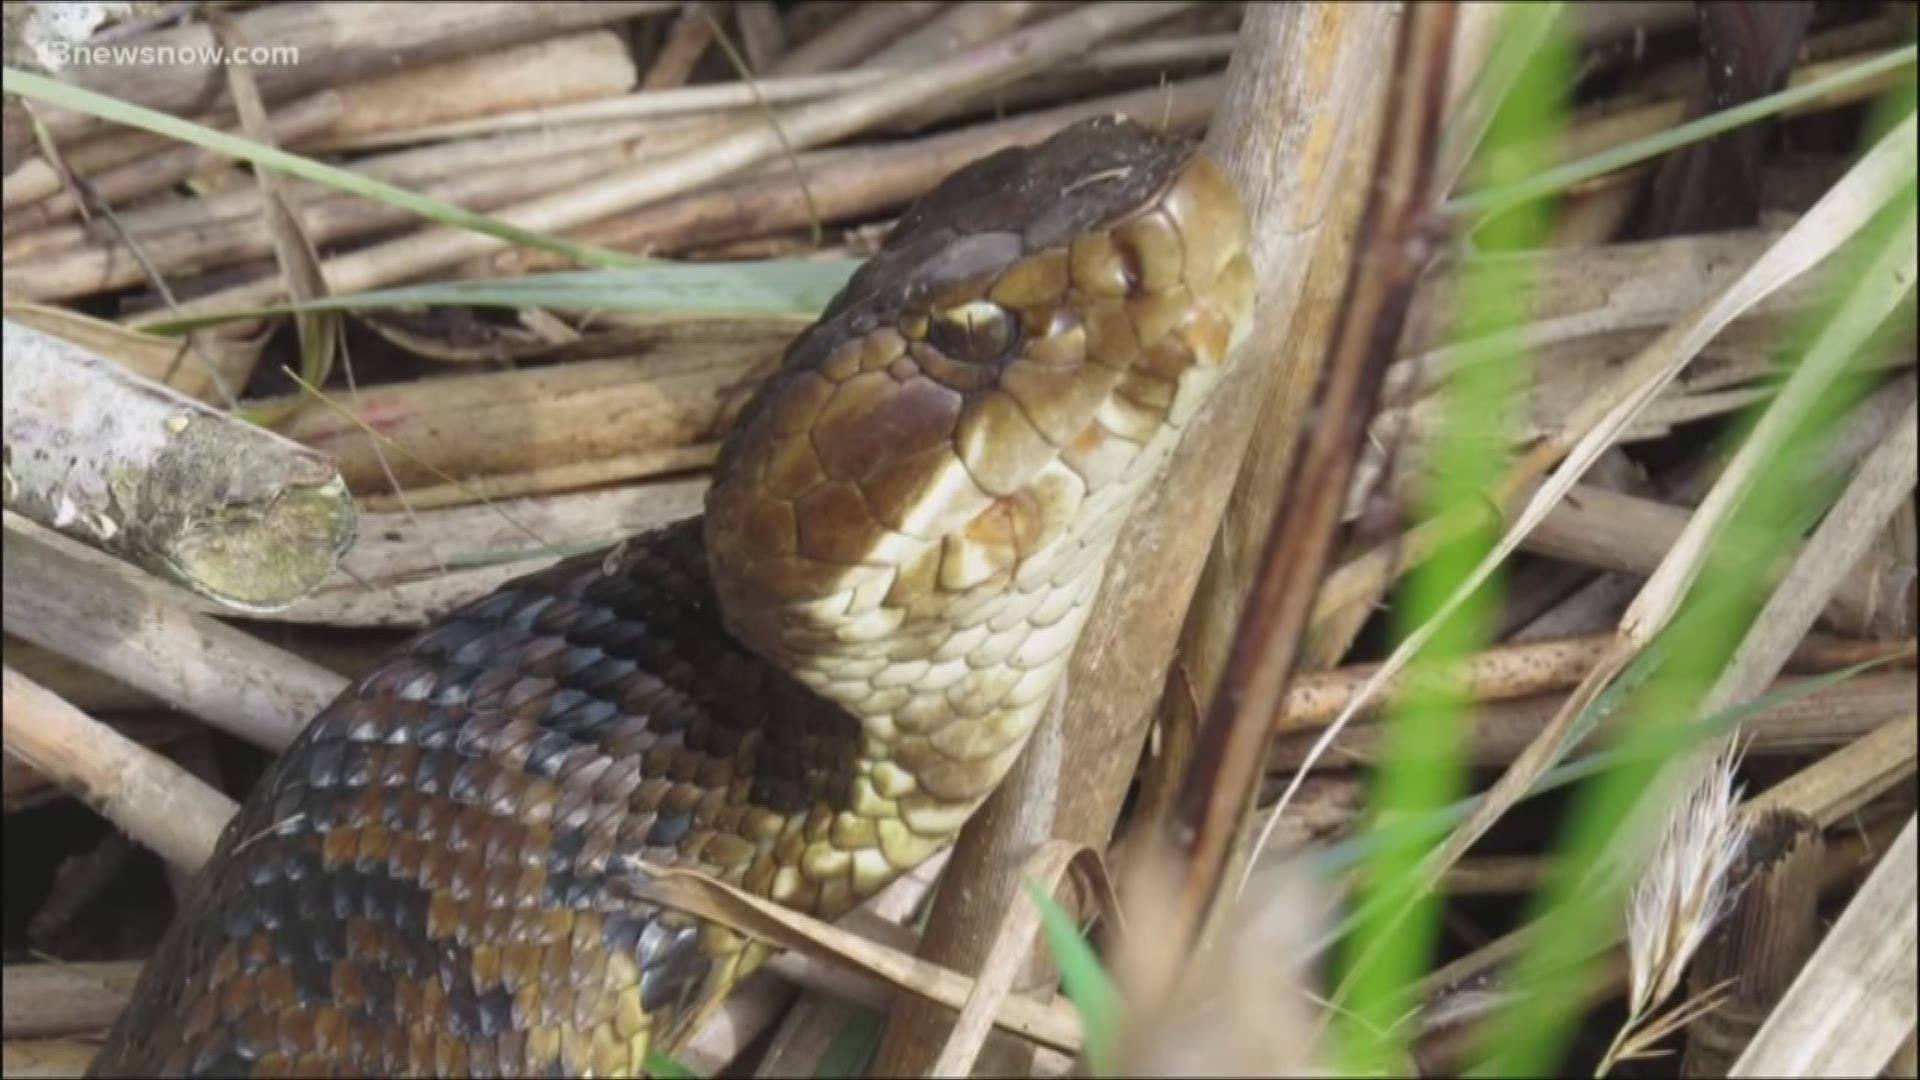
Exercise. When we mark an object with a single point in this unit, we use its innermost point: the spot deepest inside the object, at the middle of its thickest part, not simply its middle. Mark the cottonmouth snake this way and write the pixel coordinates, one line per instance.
(804, 693)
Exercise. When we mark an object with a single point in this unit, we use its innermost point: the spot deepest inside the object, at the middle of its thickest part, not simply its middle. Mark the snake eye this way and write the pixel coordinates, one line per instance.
(976, 332)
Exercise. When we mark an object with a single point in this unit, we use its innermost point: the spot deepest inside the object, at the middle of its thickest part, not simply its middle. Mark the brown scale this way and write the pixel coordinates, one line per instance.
(420, 884)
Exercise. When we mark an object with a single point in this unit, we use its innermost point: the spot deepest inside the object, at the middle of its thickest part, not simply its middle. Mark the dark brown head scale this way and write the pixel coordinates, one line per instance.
(983, 218)
(1022, 199)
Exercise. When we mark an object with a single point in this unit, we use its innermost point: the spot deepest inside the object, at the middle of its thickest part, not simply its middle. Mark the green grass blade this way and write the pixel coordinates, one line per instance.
(1529, 1037)
(768, 287)
(54, 92)
(1086, 983)
(665, 1067)
(1425, 731)
(853, 1047)
(1496, 199)
(1336, 858)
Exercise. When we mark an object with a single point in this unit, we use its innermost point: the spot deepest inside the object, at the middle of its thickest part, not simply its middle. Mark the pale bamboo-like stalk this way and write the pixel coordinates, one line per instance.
(99, 265)
(715, 98)
(505, 422)
(170, 166)
(1881, 288)
(80, 603)
(1853, 1003)
(553, 72)
(849, 184)
(65, 998)
(960, 26)
(804, 126)
(1841, 539)
(156, 802)
(334, 45)
(1609, 530)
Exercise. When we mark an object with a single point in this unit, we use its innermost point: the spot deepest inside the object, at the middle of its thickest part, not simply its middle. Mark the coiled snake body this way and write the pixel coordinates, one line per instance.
(804, 693)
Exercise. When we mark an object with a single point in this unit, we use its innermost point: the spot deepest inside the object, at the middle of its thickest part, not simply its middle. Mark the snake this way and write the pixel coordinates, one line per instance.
(804, 692)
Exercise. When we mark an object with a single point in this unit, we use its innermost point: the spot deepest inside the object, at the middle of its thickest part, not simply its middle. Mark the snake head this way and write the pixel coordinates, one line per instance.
(975, 413)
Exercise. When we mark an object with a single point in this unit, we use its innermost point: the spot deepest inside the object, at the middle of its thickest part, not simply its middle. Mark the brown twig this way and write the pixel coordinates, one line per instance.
(960, 26)
(848, 184)
(1819, 718)
(1509, 671)
(855, 36)
(762, 35)
(1220, 597)
(686, 42)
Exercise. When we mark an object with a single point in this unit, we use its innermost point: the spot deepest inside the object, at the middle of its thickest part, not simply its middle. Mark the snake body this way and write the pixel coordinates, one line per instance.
(804, 693)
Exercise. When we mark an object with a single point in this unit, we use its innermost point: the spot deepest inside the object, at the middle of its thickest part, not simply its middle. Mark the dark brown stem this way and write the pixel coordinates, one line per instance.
(1283, 132)
(1393, 249)
(1759, 948)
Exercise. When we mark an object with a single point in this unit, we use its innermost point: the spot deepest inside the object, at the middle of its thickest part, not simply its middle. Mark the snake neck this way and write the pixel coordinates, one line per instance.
(946, 697)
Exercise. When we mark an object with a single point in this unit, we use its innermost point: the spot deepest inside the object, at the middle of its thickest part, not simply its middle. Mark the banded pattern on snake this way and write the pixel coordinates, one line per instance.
(805, 693)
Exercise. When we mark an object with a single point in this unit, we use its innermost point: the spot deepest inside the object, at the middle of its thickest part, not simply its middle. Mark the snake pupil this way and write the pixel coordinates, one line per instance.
(977, 332)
